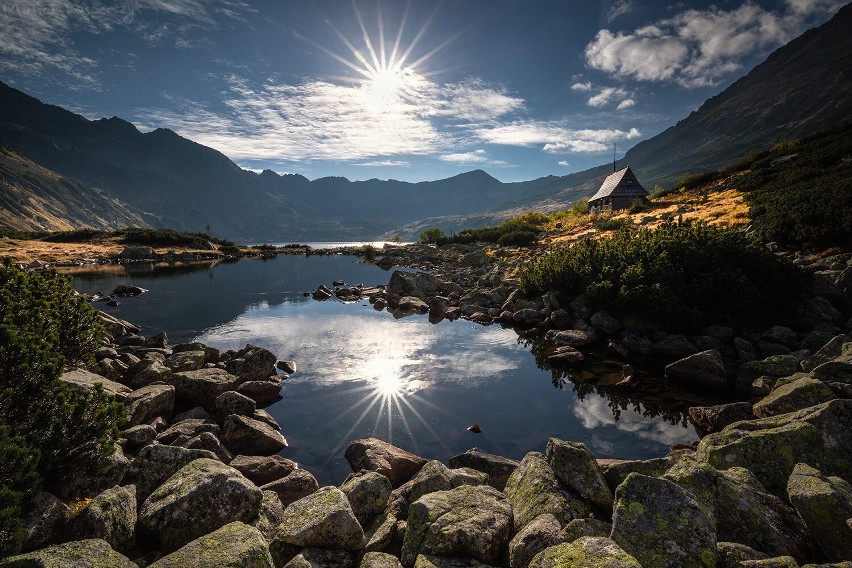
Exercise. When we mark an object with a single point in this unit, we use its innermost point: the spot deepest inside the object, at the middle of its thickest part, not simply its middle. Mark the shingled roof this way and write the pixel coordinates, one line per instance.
(622, 183)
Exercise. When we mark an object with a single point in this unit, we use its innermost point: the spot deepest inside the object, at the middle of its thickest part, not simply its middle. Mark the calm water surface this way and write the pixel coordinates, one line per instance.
(365, 373)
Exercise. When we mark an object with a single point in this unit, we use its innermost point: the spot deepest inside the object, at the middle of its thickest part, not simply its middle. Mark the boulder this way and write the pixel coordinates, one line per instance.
(373, 454)
(137, 253)
(837, 371)
(661, 524)
(368, 494)
(109, 473)
(467, 521)
(323, 519)
(296, 485)
(209, 441)
(235, 545)
(435, 476)
(232, 402)
(828, 352)
(200, 498)
(497, 468)
(575, 466)
(138, 436)
(572, 337)
(586, 552)
(428, 561)
(730, 554)
(742, 509)
(186, 429)
(420, 285)
(146, 372)
(263, 393)
(704, 370)
(243, 435)
(379, 560)
(82, 380)
(381, 534)
(201, 387)
(585, 527)
(261, 470)
(796, 395)
(110, 516)
(194, 412)
(252, 364)
(186, 361)
(43, 513)
(774, 366)
(542, 532)
(320, 558)
(412, 304)
(91, 553)
(673, 348)
(270, 515)
(615, 473)
(606, 323)
(709, 419)
(146, 403)
(533, 490)
(825, 504)
(288, 367)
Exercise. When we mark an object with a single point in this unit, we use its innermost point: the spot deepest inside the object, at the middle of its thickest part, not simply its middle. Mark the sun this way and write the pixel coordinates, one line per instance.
(385, 87)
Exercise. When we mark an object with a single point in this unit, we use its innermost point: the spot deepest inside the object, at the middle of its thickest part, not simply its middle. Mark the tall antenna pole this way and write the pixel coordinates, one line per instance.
(613, 157)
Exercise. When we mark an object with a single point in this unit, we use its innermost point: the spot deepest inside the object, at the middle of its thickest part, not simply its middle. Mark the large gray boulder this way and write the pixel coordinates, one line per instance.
(263, 393)
(297, 484)
(235, 545)
(617, 471)
(368, 494)
(585, 527)
(704, 370)
(792, 396)
(730, 554)
(146, 403)
(575, 466)
(323, 519)
(498, 468)
(110, 516)
(201, 387)
(709, 419)
(542, 532)
(43, 514)
(586, 552)
(91, 553)
(661, 524)
(155, 463)
(421, 285)
(263, 469)
(270, 515)
(247, 436)
(320, 558)
(742, 510)
(435, 476)
(376, 455)
(252, 364)
(467, 521)
(534, 490)
(208, 441)
(186, 429)
(82, 380)
(191, 360)
(379, 560)
(201, 497)
(825, 504)
(232, 402)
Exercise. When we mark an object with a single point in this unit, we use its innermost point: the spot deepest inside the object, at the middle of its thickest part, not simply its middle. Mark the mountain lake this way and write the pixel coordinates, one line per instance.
(364, 373)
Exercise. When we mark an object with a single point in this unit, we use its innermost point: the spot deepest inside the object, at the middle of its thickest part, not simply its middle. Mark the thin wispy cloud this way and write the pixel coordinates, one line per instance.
(696, 48)
(476, 157)
(606, 96)
(554, 137)
(385, 164)
(620, 8)
(582, 87)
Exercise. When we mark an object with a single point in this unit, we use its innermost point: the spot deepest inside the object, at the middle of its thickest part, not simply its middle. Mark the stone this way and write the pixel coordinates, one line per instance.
(534, 490)
(82, 380)
(379, 560)
(186, 429)
(110, 516)
(235, 545)
(140, 435)
(368, 494)
(201, 387)
(288, 367)
(185, 361)
(421, 285)
(261, 470)
(839, 371)
(497, 468)
(542, 532)
(264, 416)
(616, 473)
(575, 466)
(252, 364)
(709, 419)
(146, 403)
(828, 352)
(782, 335)
(243, 435)
(91, 553)
(730, 554)
(43, 513)
(777, 562)
(296, 485)
(263, 393)
(412, 304)
(704, 370)
(673, 348)
(381, 533)
(232, 402)
(661, 524)
(132, 252)
(586, 552)
(571, 337)
(825, 504)
(774, 366)
(270, 515)
(468, 521)
(373, 454)
(200, 498)
(146, 372)
(428, 561)
(792, 396)
(195, 412)
(320, 558)
(155, 463)
(323, 519)
(742, 509)
(435, 476)
(585, 527)
(209, 441)
(606, 323)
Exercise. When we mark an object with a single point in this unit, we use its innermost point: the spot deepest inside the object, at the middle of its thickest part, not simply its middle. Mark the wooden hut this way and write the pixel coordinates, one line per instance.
(619, 190)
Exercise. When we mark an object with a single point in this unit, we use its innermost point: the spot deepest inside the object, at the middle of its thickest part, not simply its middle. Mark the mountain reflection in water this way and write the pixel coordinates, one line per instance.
(364, 373)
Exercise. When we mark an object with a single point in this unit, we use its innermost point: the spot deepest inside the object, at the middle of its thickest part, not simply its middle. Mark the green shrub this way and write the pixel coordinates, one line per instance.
(678, 276)
(76, 236)
(432, 235)
(18, 477)
(610, 224)
(168, 238)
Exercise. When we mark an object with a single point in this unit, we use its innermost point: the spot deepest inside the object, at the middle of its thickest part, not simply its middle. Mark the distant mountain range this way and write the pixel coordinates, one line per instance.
(59, 170)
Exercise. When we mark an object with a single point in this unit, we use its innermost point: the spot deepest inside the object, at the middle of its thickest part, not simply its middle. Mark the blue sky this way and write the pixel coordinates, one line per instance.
(413, 91)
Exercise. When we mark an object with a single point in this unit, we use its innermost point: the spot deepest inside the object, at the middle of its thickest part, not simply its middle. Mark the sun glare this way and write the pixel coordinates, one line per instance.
(384, 87)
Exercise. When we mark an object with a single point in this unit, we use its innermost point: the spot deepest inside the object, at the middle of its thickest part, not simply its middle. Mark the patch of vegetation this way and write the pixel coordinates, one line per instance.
(168, 238)
(431, 236)
(603, 223)
(680, 276)
(48, 431)
(76, 236)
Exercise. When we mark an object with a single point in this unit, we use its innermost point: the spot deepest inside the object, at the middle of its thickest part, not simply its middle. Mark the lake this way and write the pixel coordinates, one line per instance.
(364, 373)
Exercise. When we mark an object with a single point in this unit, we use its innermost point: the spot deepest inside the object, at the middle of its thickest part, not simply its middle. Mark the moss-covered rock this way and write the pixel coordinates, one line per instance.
(825, 504)
(575, 466)
(661, 524)
(155, 463)
(110, 516)
(435, 476)
(148, 402)
(468, 521)
(427, 561)
(201, 386)
(368, 494)
(777, 562)
(730, 554)
(381, 534)
(616, 473)
(796, 395)
(704, 370)
(91, 553)
(774, 366)
(709, 419)
(379, 560)
(542, 532)
(201, 497)
(43, 514)
(586, 552)
(742, 509)
(585, 527)
(534, 490)
(323, 519)
(297, 484)
(320, 558)
(247, 436)
(235, 545)
(498, 468)
(270, 515)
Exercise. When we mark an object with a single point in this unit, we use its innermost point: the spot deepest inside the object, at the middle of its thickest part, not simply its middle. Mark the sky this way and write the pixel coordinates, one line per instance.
(389, 89)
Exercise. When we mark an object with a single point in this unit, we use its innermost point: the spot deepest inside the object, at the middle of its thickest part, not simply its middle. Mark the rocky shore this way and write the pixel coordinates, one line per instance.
(198, 479)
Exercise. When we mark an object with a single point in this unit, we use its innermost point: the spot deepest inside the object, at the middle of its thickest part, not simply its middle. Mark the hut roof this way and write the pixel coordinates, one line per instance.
(622, 183)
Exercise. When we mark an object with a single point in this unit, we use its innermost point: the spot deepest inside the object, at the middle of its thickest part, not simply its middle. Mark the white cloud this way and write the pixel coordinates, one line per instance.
(699, 47)
(626, 104)
(553, 136)
(620, 8)
(479, 157)
(564, 163)
(473, 100)
(385, 164)
(582, 87)
(606, 96)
